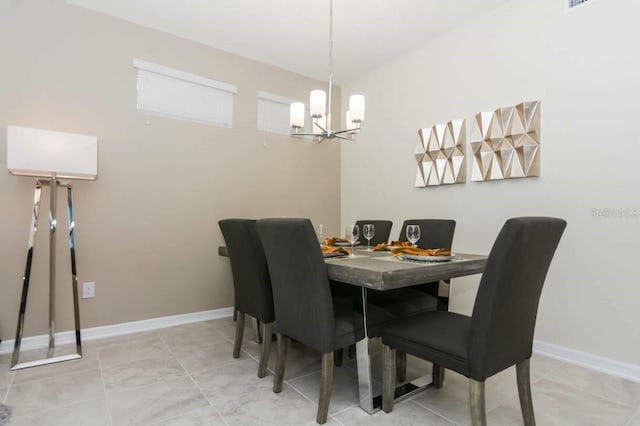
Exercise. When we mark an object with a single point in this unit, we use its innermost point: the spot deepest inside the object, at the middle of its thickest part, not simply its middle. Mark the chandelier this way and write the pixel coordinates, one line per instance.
(320, 107)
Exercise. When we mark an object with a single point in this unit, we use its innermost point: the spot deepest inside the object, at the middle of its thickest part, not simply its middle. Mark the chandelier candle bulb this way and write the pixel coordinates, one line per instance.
(351, 124)
(297, 115)
(318, 103)
(356, 107)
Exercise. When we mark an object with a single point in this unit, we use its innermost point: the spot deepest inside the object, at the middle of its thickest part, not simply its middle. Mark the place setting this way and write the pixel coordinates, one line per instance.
(338, 247)
(408, 251)
(329, 251)
(415, 254)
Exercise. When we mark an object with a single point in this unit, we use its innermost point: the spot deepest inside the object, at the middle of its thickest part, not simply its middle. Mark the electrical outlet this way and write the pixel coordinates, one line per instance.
(88, 290)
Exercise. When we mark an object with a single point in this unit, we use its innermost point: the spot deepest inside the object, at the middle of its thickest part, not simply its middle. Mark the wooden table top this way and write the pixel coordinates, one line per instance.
(382, 271)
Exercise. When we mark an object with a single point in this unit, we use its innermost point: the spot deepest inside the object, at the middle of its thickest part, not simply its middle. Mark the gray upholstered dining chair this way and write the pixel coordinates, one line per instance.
(499, 332)
(434, 233)
(305, 309)
(392, 304)
(251, 283)
(382, 228)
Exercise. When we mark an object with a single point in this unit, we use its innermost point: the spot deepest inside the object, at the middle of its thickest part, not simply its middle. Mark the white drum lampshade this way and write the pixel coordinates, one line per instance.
(41, 153)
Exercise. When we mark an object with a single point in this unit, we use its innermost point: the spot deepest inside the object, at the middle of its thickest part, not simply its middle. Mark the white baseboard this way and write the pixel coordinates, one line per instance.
(587, 360)
(42, 341)
(593, 362)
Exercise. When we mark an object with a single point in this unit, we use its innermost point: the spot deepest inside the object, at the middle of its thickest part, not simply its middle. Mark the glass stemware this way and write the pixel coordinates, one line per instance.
(368, 230)
(413, 234)
(352, 234)
(321, 234)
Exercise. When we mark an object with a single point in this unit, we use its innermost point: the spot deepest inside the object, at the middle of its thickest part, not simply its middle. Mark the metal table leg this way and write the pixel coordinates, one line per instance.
(372, 403)
(363, 362)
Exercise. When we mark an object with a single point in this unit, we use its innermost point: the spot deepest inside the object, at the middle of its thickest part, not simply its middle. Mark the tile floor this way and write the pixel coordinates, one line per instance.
(186, 376)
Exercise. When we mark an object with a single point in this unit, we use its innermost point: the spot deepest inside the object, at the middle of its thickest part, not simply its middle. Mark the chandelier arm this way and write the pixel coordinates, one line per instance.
(355, 130)
(320, 127)
(306, 134)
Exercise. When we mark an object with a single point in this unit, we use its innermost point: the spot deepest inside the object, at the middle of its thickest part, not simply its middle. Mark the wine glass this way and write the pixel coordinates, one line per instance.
(413, 234)
(352, 234)
(321, 233)
(368, 230)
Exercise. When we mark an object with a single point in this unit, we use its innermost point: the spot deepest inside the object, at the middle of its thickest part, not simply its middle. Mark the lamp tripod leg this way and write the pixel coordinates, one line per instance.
(74, 272)
(15, 358)
(53, 224)
(15, 364)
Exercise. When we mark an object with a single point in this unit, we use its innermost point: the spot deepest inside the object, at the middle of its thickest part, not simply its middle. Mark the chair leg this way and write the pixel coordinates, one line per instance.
(476, 399)
(437, 376)
(283, 345)
(266, 348)
(388, 378)
(235, 313)
(401, 366)
(351, 352)
(524, 392)
(326, 386)
(237, 343)
(338, 357)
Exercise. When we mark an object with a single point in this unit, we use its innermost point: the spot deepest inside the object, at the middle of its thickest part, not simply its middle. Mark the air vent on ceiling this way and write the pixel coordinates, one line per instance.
(575, 3)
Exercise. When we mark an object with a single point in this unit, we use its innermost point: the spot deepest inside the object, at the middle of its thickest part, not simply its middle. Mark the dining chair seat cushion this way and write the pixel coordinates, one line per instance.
(349, 322)
(444, 342)
(395, 304)
(347, 331)
(385, 306)
(402, 302)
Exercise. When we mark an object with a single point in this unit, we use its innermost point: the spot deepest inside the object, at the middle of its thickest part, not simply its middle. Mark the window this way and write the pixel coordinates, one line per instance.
(178, 94)
(273, 114)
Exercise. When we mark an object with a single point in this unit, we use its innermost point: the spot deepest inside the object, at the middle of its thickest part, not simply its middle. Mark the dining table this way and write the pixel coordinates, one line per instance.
(383, 271)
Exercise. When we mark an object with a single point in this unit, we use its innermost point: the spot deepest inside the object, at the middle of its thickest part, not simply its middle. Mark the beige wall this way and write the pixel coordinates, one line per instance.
(147, 230)
(584, 67)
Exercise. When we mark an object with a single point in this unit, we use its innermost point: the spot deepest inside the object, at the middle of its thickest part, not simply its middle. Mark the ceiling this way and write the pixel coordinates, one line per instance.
(294, 34)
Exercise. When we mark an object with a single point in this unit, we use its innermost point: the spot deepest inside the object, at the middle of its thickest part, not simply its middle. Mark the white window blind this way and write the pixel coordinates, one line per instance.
(178, 94)
(273, 114)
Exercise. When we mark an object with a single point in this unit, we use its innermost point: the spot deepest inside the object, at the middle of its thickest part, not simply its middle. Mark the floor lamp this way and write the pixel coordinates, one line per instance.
(50, 157)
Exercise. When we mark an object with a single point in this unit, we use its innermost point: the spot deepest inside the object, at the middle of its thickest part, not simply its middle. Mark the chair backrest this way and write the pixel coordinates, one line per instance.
(383, 229)
(506, 305)
(301, 292)
(434, 233)
(251, 280)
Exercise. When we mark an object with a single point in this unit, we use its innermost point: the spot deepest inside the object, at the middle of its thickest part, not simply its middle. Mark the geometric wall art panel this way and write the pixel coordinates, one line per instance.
(440, 154)
(506, 142)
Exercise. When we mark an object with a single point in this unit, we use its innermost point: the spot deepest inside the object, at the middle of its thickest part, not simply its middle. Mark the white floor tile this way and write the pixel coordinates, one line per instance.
(186, 375)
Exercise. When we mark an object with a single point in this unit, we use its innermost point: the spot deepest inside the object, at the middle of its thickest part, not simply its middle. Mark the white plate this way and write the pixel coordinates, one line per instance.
(427, 258)
(341, 244)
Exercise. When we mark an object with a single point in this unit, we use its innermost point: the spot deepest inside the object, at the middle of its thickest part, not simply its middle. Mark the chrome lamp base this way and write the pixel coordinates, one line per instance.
(50, 359)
